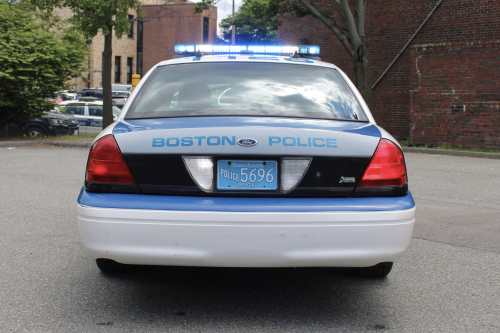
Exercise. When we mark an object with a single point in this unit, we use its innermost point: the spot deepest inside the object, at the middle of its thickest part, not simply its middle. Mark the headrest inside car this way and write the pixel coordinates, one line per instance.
(195, 96)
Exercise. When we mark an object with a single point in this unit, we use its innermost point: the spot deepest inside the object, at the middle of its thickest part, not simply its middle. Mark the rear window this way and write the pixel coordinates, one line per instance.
(254, 89)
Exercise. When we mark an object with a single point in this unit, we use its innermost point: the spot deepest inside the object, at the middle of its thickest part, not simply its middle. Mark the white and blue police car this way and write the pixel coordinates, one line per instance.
(246, 156)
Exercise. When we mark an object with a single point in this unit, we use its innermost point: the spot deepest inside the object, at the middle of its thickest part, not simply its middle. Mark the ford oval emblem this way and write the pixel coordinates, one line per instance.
(247, 142)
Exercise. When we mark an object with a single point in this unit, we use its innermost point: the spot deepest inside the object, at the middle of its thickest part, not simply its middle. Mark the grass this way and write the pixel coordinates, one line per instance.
(81, 138)
(445, 146)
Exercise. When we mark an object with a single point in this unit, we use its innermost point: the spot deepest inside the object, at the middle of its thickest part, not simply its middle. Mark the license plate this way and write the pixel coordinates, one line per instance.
(247, 175)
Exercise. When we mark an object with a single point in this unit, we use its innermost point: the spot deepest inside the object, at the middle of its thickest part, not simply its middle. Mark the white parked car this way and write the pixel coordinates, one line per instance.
(88, 114)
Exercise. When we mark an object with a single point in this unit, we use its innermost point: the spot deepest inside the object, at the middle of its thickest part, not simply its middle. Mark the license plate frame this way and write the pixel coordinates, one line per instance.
(231, 176)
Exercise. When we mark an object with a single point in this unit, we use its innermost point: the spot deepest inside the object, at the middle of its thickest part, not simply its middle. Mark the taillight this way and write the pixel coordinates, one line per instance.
(106, 163)
(387, 167)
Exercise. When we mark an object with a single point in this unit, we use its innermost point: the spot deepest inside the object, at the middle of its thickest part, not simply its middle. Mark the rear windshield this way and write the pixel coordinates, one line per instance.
(254, 89)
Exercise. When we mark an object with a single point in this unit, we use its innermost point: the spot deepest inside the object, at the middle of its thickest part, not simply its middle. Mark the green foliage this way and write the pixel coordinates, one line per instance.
(204, 4)
(93, 16)
(37, 56)
(256, 22)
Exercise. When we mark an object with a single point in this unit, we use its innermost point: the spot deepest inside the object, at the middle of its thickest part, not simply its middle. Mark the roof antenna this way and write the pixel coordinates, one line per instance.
(295, 55)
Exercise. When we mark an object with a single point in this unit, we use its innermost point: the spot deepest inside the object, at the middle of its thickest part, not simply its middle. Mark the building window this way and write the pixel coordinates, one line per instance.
(205, 30)
(138, 69)
(117, 69)
(304, 41)
(129, 70)
(131, 27)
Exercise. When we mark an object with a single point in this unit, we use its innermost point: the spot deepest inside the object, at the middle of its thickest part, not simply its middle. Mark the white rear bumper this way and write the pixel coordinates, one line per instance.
(245, 239)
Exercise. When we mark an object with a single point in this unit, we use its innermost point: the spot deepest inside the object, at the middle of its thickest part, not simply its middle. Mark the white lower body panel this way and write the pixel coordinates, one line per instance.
(245, 239)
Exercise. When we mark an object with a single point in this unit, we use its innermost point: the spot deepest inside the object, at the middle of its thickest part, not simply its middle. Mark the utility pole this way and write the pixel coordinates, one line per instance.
(233, 29)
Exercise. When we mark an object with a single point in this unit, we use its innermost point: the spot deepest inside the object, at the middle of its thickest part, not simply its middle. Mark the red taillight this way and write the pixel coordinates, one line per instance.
(106, 163)
(387, 167)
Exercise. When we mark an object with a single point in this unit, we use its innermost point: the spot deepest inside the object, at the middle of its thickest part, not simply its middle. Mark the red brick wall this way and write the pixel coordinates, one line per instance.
(476, 125)
(389, 26)
(174, 25)
(455, 95)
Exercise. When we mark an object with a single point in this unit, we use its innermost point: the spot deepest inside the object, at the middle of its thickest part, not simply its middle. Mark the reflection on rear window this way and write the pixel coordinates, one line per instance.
(246, 89)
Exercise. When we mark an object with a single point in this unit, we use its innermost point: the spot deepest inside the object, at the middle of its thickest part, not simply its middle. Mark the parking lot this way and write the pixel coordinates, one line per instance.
(448, 281)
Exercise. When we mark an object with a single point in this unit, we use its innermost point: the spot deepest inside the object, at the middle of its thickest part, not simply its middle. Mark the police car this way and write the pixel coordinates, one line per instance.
(88, 114)
(246, 156)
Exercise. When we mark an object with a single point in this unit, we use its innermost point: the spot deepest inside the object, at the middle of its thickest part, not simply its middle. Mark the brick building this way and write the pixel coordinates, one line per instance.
(175, 24)
(123, 59)
(165, 23)
(445, 87)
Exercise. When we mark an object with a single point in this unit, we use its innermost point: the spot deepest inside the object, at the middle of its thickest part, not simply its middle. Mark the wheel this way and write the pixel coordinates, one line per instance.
(378, 271)
(111, 266)
(36, 131)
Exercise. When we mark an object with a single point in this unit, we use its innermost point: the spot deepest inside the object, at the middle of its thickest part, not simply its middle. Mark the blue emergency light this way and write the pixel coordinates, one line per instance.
(256, 49)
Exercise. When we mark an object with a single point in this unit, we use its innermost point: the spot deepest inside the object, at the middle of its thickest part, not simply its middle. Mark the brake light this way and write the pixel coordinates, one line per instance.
(106, 163)
(387, 167)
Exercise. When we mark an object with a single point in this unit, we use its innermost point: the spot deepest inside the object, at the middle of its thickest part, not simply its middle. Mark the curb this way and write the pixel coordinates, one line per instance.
(51, 143)
(460, 153)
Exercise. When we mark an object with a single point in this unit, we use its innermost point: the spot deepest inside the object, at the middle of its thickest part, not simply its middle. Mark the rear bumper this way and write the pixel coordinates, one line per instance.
(245, 239)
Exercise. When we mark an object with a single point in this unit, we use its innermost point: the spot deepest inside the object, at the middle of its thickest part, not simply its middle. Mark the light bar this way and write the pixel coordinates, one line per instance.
(256, 49)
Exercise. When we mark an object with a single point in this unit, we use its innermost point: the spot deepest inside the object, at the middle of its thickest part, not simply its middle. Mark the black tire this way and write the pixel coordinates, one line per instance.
(378, 271)
(36, 131)
(111, 266)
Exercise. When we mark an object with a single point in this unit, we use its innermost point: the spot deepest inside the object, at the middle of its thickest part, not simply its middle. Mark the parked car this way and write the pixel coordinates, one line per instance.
(50, 124)
(87, 113)
(91, 92)
(120, 98)
(68, 95)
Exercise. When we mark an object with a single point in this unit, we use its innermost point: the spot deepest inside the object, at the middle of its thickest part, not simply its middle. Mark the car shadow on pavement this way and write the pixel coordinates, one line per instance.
(231, 297)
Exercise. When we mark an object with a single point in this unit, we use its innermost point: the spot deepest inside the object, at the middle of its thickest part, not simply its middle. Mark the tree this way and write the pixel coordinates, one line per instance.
(346, 19)
(37, 56)
(256, 22)
(91, 17)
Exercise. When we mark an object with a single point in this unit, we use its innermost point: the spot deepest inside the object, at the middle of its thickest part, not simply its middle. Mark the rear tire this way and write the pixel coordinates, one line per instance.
(111, 266)
(378, 271)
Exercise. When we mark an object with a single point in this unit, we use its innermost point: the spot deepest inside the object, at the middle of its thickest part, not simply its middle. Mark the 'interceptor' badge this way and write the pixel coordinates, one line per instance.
(347, 179)
(247, 142)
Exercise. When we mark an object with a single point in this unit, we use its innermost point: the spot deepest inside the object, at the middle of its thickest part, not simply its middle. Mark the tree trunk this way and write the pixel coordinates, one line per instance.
(24, 129)
(362, 67)
(7, 130)
(107, 110)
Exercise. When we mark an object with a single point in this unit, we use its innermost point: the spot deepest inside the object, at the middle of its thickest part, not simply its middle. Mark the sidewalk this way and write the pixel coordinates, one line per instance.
(51, 143)
(451, 152)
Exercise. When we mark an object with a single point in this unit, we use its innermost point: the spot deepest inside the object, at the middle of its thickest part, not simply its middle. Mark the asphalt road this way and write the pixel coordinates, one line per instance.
(448, 281)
